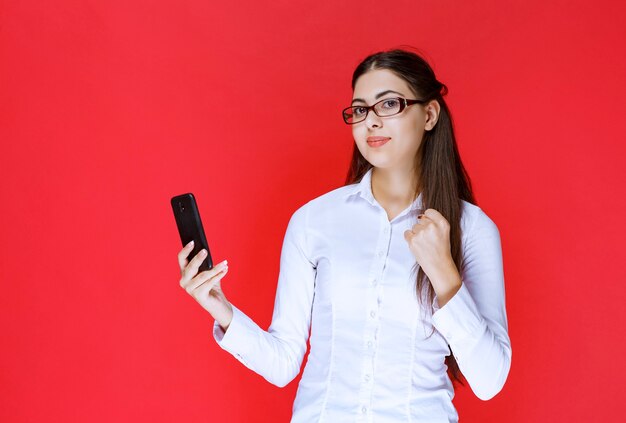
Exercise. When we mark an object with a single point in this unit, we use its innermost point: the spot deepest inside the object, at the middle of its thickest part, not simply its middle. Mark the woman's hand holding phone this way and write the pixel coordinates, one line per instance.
(205, 286)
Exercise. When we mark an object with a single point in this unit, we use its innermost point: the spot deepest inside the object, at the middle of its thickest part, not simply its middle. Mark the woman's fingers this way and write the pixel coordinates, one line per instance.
(182, 256)
(191, 269)
(436, 217)
(201, 286)
(199, 279)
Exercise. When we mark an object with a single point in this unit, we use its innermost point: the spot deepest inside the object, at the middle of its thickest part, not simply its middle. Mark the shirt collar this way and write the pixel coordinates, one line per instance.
(364, 189)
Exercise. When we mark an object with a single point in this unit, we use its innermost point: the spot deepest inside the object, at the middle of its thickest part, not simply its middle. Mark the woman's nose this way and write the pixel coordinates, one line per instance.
(373, 120)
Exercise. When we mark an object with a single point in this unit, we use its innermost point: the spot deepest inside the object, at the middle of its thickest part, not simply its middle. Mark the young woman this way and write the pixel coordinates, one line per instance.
(397, 275)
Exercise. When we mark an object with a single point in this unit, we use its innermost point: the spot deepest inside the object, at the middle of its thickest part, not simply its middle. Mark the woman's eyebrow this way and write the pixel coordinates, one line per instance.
(379, 95)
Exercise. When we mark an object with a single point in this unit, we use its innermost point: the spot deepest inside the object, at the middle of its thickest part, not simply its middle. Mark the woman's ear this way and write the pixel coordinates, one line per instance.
(432, 114)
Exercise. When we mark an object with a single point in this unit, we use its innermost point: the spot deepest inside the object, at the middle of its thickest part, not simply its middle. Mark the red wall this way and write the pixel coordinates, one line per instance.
(107, 109)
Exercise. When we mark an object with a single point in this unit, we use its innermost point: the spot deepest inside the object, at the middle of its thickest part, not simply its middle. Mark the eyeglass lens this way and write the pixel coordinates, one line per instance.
(387, 107)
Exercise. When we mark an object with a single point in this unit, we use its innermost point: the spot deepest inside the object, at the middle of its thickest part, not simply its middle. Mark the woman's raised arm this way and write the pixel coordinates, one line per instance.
(474, 321)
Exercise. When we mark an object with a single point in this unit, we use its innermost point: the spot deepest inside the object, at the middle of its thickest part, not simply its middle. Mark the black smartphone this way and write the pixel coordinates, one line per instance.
(190, 227)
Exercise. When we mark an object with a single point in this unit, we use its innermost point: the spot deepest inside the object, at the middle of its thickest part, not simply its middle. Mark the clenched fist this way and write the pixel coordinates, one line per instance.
(429, 241)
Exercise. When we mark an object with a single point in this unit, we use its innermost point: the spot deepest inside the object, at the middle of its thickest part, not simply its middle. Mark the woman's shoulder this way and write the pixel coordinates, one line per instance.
(323, 204)
(475, 220)
(330, 199)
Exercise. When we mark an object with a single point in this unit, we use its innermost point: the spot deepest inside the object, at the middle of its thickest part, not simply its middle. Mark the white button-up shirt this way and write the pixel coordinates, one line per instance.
(345, 276)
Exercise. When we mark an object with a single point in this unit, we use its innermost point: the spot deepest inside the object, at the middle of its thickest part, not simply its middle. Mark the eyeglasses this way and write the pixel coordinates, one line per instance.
(384, 108)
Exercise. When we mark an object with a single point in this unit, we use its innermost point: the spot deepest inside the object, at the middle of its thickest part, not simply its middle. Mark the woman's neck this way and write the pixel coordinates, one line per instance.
(394, 187)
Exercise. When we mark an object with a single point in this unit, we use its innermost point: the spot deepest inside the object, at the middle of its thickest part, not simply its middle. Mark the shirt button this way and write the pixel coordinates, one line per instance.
(369, 344)
(381, 253)
(363, 410)
(372, 313)
(373, 282)
(367, 378)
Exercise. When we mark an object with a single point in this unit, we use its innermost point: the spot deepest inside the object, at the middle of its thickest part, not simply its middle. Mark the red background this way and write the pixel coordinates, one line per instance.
(110, 108)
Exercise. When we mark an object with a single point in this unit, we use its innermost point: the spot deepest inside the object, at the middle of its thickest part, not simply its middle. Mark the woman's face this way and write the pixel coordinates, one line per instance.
(404, 130)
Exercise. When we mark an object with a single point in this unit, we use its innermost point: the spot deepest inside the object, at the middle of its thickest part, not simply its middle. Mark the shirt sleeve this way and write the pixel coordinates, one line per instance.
(474, 321)
(277, 354)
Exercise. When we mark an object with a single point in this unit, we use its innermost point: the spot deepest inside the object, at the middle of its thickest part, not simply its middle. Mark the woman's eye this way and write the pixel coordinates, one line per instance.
(359, 110)
(390, 104)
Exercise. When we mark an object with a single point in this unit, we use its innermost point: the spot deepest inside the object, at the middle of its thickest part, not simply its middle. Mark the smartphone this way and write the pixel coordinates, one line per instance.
(190, 227)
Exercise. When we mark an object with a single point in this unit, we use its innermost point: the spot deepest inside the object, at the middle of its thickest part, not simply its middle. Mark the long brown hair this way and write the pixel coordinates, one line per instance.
(443, 181)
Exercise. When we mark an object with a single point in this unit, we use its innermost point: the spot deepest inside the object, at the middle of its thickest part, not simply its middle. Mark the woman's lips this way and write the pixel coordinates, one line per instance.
(377, 141)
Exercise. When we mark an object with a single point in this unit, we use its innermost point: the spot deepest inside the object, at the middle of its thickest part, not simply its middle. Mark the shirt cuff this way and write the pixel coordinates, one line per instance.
(236, 339)
(459, 320)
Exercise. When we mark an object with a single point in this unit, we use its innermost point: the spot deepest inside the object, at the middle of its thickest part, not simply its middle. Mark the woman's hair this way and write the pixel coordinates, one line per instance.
(443, 181)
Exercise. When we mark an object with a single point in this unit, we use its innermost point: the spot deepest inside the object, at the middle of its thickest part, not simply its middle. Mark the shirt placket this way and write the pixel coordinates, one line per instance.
(374, 298)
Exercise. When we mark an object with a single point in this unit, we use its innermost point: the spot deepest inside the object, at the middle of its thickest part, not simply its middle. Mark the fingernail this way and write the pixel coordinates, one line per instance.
(203, 252)
(190, 243)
